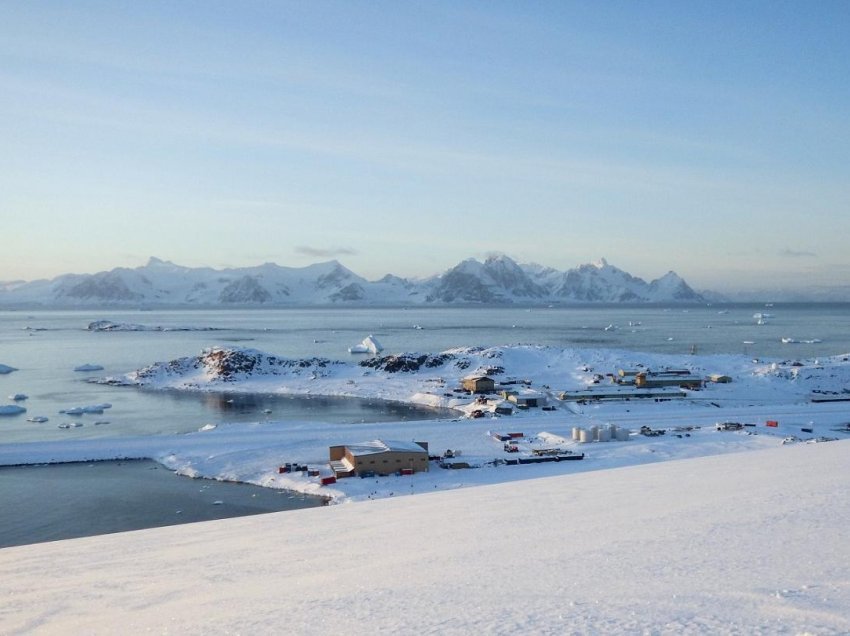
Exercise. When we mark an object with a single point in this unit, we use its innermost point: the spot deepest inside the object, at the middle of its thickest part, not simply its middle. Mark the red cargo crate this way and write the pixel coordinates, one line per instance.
(772, 423)
(328, 480)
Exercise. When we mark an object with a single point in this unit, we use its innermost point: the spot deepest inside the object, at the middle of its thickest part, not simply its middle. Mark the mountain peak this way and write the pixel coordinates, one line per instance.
(499, 280)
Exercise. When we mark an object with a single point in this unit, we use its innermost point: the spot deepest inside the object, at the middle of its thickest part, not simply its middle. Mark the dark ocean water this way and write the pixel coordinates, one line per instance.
(65, 501)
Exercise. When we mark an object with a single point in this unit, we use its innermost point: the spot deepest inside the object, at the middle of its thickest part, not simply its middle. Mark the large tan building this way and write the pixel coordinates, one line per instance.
(379, 457)
(478, 384)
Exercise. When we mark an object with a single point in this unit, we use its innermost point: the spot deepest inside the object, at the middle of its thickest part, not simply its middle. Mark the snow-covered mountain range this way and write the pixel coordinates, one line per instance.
(497, 280)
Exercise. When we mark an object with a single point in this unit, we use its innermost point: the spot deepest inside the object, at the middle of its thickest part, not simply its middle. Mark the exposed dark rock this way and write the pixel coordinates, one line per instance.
(244, 290)
(407, 362)
(228, 364)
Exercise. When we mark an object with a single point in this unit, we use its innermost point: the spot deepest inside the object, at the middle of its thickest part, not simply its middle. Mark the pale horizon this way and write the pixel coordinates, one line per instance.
(711, 139)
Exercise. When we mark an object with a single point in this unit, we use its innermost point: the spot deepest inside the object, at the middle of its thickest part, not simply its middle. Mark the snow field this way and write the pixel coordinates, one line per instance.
(740, 543)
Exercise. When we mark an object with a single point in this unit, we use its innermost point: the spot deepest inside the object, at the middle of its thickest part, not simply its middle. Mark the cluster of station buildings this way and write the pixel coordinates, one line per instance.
(625, 384)
(380, 457)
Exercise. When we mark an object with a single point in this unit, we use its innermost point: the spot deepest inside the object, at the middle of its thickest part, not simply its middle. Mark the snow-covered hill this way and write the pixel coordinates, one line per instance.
(744, 543)
(498, 280)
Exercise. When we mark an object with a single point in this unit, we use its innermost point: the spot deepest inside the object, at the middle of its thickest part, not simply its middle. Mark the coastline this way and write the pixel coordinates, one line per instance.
(759, 392)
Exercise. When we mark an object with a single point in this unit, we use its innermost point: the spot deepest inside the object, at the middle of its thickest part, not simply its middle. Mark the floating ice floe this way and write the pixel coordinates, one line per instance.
(369, 345)
(795, 341)
(38, 419)
(5, 368)
(80, 410)
(207, 427)
(11, 409)
(18, 397)
(89, 367)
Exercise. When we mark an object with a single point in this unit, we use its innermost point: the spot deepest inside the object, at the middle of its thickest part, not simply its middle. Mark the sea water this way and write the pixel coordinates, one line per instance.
(65, 501)
(47, 345)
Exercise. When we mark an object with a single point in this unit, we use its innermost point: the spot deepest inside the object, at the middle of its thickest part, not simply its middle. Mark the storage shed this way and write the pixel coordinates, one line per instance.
(525, 399)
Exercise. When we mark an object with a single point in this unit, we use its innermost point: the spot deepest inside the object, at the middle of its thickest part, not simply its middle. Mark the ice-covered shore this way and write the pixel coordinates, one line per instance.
(430, 378)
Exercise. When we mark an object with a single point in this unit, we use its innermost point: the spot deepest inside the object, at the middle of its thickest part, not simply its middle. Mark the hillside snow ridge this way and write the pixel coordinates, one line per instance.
(498, 280)
(747, 543)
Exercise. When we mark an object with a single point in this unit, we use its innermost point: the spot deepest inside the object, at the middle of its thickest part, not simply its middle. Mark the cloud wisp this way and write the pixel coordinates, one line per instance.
(789, 253)
(319, 252)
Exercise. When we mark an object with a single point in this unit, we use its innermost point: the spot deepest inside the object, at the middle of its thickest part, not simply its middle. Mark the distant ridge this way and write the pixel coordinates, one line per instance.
(498, 280)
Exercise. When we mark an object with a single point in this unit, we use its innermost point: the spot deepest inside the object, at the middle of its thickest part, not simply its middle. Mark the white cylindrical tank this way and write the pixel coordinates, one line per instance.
(613, 429)
(623, 435)
(577, 433)
(604, 435)
(594, 433)
(585, 436)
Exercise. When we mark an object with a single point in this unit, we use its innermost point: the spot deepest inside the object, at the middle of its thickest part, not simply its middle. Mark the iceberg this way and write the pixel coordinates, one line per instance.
(5, 368)
(11, 409)
(369, 344)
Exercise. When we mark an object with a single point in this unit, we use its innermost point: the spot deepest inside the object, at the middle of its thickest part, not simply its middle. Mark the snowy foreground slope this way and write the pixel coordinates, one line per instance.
(746, 543)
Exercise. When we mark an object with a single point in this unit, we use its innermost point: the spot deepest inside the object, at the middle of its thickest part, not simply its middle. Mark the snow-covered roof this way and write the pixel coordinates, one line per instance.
(381, 446)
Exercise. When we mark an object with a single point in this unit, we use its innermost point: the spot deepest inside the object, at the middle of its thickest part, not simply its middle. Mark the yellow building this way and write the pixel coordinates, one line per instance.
(379, 457)
(479, 384)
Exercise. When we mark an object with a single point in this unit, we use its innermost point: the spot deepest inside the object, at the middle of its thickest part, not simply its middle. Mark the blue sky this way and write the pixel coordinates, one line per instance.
(711, 138)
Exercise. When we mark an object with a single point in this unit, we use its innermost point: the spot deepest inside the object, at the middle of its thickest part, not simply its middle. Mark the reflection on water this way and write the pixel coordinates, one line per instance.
(64, 501)
(237, 407)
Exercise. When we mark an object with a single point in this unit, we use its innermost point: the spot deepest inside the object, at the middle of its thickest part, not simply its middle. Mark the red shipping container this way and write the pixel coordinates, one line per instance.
(328, 480)
(406, 471)
(772, 423)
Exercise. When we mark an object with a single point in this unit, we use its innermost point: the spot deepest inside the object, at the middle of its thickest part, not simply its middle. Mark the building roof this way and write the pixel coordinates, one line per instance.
(382, 446)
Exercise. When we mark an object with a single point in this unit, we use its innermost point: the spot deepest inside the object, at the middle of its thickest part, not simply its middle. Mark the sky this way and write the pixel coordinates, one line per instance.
(710, 138)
